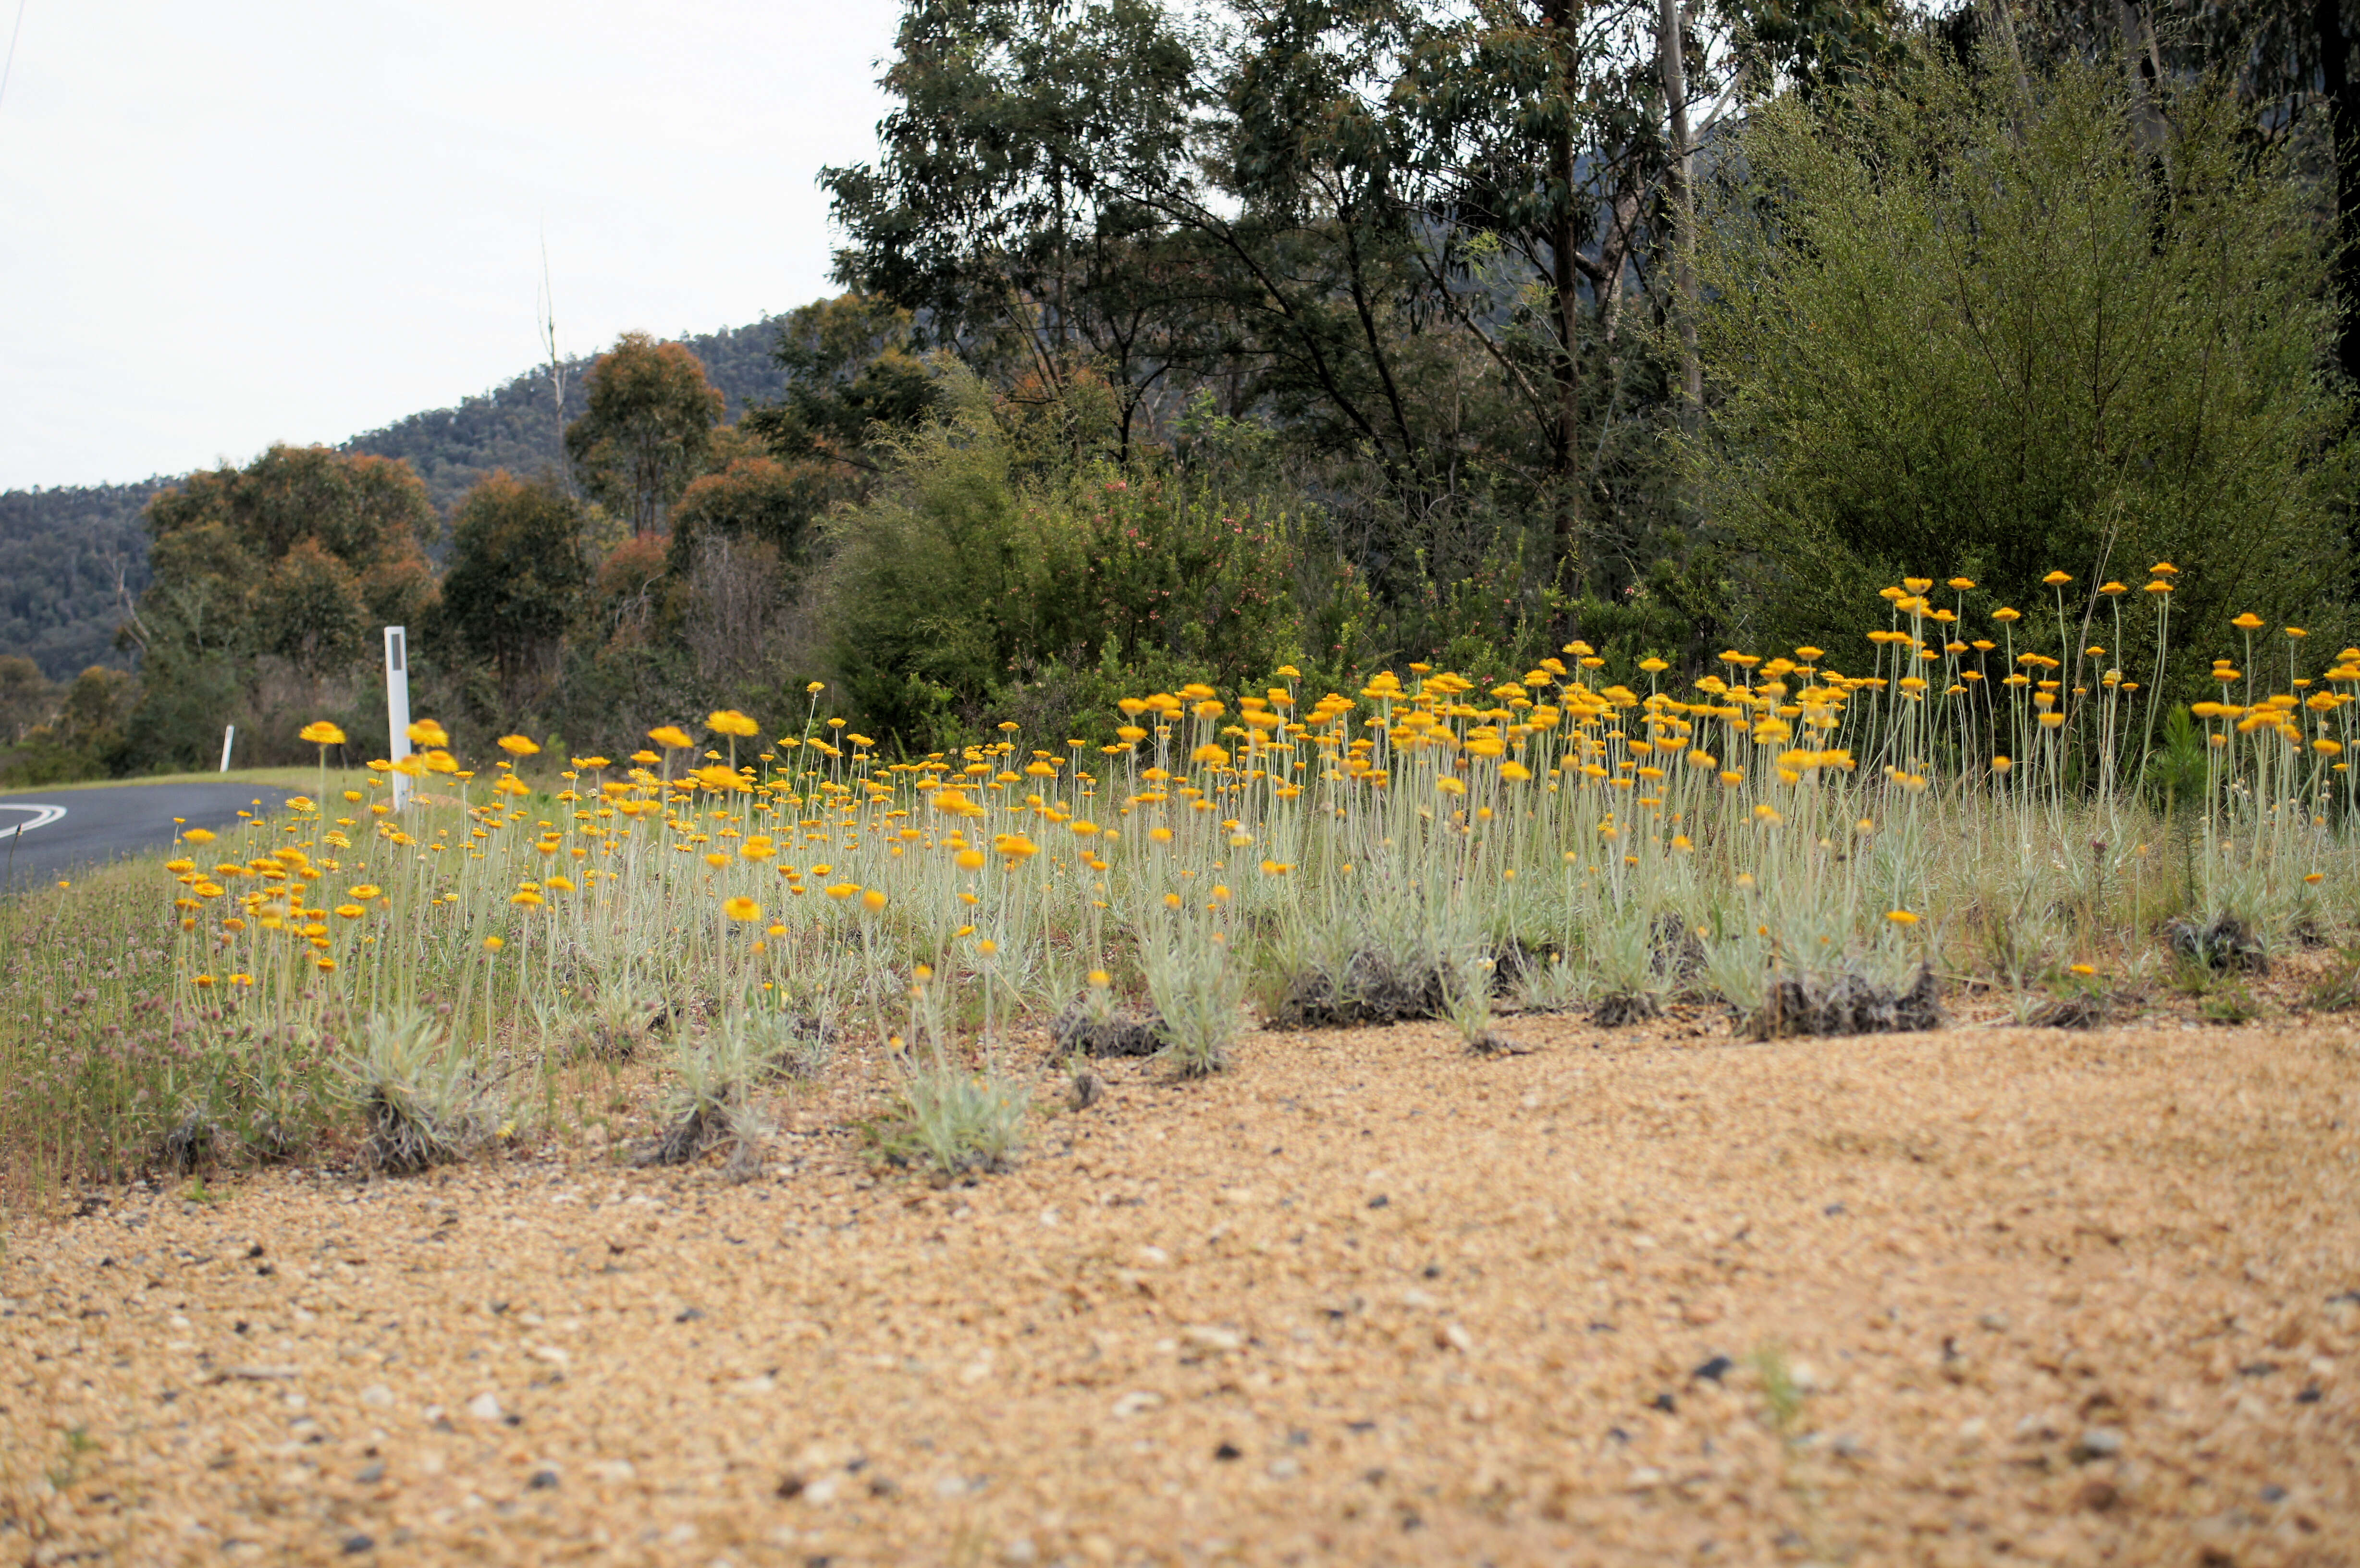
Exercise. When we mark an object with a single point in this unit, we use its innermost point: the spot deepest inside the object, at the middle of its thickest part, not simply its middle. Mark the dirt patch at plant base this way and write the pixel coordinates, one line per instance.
(2017, 1294)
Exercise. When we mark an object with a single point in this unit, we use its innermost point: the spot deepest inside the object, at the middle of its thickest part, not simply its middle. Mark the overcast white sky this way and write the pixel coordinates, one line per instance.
(241, 222)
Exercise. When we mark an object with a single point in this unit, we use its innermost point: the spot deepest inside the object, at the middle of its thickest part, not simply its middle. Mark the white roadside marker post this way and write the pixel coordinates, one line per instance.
(229, 733)
(397, 705)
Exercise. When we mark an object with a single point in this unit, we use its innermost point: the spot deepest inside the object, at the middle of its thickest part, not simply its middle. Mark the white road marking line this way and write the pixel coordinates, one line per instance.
(42, 817)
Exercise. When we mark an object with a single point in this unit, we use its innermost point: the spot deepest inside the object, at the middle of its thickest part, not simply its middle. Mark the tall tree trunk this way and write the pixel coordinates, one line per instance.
(2005, 19)
(2147, 114)
(1679, 187)
(2336, 88)
(1564, 230)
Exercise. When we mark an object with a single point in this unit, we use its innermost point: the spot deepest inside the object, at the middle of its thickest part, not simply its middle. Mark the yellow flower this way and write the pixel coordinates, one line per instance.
(1514, 772)
(843, 890)
(671, 737)
(1901, 917)
(1962, 583)
(2247, 622)
(2315, 877)
(1212, 755)
(204, 980)
(426, 733)
(1451, 786)
(493, 944)
(1100, 978)
(526, 898)
(350, 911)
(2057, 578)
(322, 733)
(987, 947)
(971, 859)
(558, 884)
(730, 722)
(199, 835)
(365, 892)
(741, 909)
(1016, 846)
(2082, 968)
(1171, 900)
(873, 900)
(2005, 614)
(518, 745)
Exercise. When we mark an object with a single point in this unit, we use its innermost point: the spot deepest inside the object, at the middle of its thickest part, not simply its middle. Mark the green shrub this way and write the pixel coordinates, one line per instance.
(1962, 324)
(988, 579)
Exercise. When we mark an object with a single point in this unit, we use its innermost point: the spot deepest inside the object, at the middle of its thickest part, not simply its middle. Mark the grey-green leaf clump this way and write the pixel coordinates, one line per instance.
(709, 1100)
(1197, 989)
(422, 1098)
(955, 1122)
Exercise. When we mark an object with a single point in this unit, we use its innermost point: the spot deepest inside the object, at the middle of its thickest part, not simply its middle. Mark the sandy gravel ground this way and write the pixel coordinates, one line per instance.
(1977, 1296)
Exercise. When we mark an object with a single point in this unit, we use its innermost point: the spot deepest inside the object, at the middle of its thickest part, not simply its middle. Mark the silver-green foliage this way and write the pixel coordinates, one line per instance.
(1466, 993)
(421, 1097)
(1198, 987)
(710, 1096)
(957, 1122)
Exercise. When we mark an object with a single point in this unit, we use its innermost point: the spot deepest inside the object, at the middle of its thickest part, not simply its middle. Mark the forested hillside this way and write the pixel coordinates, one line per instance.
(60, 549)
(515, 426)
(66, 557)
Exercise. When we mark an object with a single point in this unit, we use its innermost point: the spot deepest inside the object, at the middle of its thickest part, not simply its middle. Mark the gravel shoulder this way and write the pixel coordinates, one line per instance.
(1643, 1297)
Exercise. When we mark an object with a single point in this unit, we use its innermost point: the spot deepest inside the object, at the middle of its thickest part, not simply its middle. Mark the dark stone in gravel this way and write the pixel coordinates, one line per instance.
(356, 1544)
(1228, 1451)
(1121, 1034)
(1715, 1368)
(1847, 1004)
(1617, 1009)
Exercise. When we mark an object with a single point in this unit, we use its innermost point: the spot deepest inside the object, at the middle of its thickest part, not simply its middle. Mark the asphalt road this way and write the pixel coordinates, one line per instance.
(46, 835)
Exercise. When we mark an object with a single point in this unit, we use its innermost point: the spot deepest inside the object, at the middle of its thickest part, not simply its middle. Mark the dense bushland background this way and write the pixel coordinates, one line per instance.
(1340, 334)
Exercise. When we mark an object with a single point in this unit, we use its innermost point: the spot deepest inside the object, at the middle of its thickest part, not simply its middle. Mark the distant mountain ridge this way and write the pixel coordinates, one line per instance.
(68, 556)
